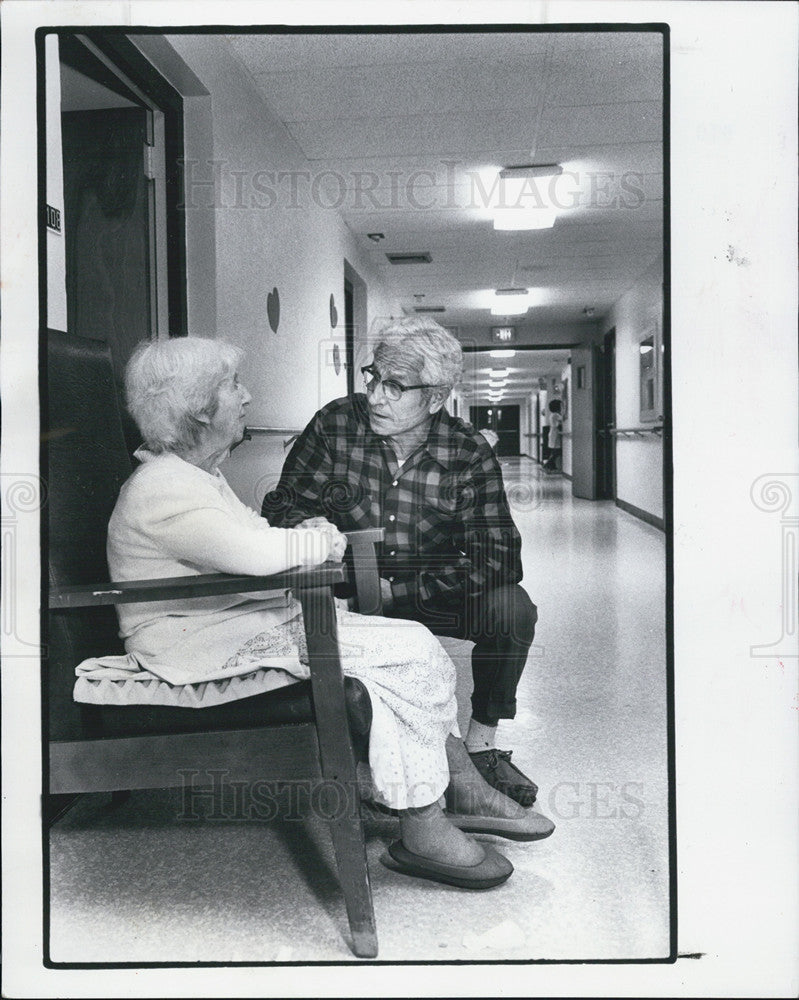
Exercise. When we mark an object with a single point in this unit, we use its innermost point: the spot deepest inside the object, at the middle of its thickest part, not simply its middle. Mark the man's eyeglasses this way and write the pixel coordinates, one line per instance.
(391, 387)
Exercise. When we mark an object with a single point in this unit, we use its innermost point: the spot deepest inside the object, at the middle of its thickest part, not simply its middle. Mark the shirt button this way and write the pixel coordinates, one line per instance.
(391, 517)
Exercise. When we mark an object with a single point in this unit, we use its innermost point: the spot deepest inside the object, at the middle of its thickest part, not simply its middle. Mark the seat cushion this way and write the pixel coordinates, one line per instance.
(284, 706)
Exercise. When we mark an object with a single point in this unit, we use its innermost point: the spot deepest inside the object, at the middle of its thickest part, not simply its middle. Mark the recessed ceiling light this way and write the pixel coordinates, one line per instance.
(514, 219)
(502, 354)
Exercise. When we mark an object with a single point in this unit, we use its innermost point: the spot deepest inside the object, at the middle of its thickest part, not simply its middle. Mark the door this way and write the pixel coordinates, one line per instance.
(124, 234)
(507, 427)
(606, 420)
(583, 410)
(349, 336)
(107, 227)
(504, 421)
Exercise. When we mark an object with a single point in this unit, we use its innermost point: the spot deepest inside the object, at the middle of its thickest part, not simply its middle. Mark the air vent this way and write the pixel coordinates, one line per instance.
(409, 258)
(528, 268)
(429, 309)
(511, 291)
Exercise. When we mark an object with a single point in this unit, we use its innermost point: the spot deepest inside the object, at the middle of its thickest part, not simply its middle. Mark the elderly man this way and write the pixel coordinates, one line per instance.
(394, 458)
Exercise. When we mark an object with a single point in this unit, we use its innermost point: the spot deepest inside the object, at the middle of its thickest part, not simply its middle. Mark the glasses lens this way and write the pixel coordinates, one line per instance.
(371, 379)
(392, 389)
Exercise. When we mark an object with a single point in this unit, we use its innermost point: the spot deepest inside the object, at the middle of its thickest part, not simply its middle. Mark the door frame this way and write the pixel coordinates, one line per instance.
(114, 60)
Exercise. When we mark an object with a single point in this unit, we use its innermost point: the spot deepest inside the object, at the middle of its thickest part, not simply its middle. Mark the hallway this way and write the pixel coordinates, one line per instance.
(136, 883)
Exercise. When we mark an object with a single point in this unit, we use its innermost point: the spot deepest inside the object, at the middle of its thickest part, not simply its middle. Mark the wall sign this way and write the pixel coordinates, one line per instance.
(53, 218)
(273, 309)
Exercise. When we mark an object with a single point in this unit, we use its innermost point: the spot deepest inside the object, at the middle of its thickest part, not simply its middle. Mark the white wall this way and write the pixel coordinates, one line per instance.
(247, 235)
(56, 242)
(639, 460)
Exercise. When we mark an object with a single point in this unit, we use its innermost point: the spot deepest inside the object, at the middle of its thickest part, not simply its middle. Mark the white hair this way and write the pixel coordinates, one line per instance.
(419, 344)
(170, 385)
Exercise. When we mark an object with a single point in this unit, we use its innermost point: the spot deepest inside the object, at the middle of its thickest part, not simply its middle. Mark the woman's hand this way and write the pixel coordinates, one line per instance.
(338, 542)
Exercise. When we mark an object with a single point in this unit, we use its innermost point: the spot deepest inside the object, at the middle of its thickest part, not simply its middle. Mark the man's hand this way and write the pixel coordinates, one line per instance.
(386, 594)
(315, 522)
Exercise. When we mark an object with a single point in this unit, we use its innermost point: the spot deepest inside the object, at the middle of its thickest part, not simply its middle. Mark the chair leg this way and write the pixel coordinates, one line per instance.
(338, 767)
(349, 846)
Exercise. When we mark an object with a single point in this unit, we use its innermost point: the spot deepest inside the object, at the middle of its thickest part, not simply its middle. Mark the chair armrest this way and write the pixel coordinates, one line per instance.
(364, 564)
(186, 587)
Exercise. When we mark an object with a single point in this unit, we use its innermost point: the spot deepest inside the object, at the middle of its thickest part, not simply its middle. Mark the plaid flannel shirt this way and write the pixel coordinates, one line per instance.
(444, 510)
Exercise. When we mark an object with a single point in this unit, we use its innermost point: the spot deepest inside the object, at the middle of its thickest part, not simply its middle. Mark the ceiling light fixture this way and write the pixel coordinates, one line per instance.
(510, 302)
(515, 219)
(522, 204)
(523, 170)
(502, 354)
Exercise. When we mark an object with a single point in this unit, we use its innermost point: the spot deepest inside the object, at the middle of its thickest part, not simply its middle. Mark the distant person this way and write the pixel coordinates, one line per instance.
(555, 437)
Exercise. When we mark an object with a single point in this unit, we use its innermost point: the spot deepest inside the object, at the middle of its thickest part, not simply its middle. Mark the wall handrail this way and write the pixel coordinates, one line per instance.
(292, 432)
(633, 431)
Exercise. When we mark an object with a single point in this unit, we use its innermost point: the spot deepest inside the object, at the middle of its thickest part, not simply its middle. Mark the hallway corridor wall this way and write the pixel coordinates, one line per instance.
(271, 229)
(639, 460)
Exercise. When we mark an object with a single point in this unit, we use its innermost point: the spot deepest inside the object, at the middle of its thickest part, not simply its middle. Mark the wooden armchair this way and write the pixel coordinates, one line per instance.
(314, 730)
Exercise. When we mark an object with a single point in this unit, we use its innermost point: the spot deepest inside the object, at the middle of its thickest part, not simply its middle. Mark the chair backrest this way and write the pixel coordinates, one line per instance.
(87, 463)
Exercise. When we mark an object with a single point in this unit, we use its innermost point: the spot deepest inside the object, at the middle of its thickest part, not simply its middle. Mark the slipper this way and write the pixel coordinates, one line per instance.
(493, 870)
(531, 826)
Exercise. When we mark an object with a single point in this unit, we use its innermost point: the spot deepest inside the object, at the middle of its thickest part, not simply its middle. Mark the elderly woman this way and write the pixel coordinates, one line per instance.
(177, 516)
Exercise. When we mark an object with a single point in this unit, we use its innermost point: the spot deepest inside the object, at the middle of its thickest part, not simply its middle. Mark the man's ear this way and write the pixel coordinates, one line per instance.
(437, 400)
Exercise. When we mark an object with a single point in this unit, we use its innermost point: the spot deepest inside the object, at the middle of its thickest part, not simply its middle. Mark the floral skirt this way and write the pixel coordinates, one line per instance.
(411, 684)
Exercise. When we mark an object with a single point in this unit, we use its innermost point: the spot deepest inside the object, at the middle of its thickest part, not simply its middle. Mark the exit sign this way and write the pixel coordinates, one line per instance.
(503, 334)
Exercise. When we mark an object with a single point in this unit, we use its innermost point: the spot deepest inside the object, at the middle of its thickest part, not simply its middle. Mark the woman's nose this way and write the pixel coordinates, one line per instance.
(245, 396)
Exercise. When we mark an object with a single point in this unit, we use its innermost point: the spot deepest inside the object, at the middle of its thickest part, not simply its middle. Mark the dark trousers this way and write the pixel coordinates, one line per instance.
(501, 623)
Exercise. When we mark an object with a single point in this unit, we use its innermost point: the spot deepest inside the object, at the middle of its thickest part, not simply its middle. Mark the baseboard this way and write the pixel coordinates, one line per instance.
(643, 515)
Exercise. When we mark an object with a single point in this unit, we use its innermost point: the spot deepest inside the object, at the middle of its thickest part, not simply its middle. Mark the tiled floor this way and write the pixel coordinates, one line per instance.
(137, 883)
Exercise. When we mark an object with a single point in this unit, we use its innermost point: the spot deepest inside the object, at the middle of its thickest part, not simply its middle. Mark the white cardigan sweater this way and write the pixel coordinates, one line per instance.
(174, 519)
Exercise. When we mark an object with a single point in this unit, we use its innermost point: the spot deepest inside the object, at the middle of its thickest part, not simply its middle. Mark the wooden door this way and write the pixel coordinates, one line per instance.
(606, 420)
(583, 423)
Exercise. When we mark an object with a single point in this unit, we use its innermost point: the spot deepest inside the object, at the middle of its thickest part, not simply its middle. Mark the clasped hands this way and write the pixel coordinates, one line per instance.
(338, 545)
(338, 542)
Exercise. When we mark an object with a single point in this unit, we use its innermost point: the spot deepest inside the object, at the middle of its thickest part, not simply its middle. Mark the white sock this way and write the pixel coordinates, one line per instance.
(480, 737)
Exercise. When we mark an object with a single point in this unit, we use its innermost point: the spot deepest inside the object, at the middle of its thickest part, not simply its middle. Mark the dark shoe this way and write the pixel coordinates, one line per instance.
(493, 870)
(496, 768)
